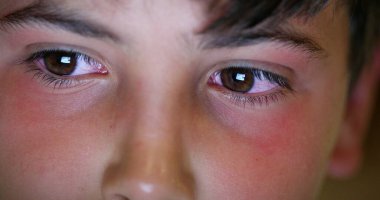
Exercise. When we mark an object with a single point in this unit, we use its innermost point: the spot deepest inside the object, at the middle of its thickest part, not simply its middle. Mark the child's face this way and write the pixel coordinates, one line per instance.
(153, 115)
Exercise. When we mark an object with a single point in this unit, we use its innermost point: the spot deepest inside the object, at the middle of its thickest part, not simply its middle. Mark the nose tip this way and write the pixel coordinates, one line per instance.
(140, 182)
(139, 190)
(151, 169)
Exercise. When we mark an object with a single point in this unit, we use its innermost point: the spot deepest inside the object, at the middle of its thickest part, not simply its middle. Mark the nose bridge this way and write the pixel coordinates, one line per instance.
(153, 148)
(152, 163)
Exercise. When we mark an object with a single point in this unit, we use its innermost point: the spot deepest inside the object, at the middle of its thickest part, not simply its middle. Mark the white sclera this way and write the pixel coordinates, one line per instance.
(84, 67)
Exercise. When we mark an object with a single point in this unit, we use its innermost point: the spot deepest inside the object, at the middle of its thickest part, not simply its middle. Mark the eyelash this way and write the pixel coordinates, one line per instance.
(49, 79)
(242, 99)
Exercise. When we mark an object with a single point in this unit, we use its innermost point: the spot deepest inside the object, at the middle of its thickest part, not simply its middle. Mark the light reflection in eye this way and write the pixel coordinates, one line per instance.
(240, 77)
(66, 60)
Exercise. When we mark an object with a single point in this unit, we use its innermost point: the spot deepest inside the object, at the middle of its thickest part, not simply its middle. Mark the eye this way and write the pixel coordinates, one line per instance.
(63, 68)
(67, 63)
(247, 80)
(243, 82)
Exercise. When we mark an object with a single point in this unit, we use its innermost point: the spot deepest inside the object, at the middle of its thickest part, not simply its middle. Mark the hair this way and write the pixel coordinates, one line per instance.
(237, 15)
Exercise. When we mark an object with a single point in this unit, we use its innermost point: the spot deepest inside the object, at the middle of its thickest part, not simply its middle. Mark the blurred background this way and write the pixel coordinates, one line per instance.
(366, 184)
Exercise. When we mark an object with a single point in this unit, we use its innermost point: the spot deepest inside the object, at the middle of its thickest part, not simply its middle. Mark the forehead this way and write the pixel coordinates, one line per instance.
(115, 14)
(186, 16)
(210, 5)
(95, 6)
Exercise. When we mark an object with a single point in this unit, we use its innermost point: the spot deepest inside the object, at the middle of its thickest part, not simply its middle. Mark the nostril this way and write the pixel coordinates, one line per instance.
(119, 197)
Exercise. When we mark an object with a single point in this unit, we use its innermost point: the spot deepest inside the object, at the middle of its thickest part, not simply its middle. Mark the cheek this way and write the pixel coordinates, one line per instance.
(274, 152)
(45, 138)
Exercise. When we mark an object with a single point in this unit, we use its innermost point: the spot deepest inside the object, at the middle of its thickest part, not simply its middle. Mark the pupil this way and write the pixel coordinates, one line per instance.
(237, 79)
(60, 63)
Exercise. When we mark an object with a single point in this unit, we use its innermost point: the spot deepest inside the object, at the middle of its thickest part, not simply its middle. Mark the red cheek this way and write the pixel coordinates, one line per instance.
(44, 134)
(269, 130)
(282, 131)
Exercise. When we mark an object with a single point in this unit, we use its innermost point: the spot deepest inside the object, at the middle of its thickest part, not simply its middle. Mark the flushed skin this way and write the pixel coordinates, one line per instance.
(154, 128)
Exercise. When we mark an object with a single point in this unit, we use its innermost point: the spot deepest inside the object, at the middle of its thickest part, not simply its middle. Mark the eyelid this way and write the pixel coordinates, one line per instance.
(35, 63)
(38, 47)
(281, 70)
(261, 65)
(258, 98)
(91, 64)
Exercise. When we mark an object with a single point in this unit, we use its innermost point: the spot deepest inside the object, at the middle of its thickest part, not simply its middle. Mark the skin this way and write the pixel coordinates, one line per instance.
(153, 128)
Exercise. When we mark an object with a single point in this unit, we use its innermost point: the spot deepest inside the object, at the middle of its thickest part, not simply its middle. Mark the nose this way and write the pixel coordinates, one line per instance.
(150, 163)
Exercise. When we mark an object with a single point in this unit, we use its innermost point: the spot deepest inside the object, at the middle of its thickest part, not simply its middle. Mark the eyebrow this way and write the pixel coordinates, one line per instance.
(47, 14)
(42, 12)
(284, 36)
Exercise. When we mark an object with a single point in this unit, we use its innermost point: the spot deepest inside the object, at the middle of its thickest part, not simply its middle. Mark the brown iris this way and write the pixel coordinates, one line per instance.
(60, 63)
(237, 79)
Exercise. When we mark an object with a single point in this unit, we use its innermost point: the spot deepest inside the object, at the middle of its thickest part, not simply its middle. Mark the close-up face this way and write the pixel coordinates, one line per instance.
(135, 99)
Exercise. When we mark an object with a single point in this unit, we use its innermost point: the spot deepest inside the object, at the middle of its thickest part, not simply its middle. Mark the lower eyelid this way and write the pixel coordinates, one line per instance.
(271, 95)
(263, 99)
(48, 80)
(253, 101)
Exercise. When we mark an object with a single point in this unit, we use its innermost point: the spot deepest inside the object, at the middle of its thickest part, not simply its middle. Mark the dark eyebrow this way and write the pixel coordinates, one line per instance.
(284, 36)
(48, 14)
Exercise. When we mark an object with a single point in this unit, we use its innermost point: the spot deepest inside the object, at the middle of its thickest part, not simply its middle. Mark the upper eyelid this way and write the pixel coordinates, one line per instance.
(40, 54)
(39, 47)
(259, 65)
(287, 74)
(34, 50)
